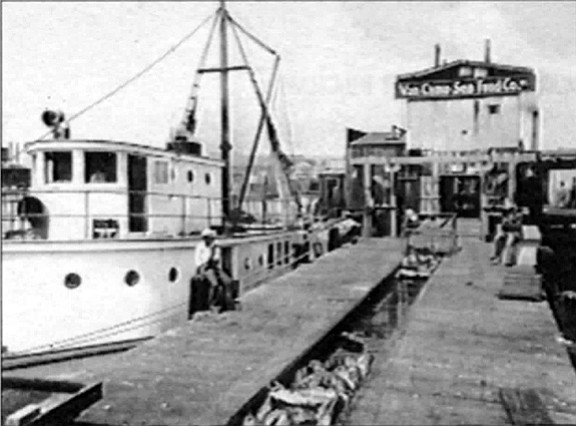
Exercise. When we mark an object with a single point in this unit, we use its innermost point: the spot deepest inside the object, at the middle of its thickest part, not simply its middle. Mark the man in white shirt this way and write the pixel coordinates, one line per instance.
(207, 252)
(207, 259)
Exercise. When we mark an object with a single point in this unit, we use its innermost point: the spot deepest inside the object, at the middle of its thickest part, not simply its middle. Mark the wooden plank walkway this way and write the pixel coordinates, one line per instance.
(461, 346)
(203, 372)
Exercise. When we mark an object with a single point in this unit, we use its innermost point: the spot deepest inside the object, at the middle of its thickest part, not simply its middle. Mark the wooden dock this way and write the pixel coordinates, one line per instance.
(203, 372)
(463, 356)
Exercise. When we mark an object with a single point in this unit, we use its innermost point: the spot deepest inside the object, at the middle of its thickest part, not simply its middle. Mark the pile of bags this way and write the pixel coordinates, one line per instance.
(320, 391)
(418, 263)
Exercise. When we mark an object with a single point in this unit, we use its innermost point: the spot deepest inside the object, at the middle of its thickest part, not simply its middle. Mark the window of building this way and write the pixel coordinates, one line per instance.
(100, 167)
(494, 109)
(58, 167)
(465, 72)
(480, 72)
(161, 172)
(208, 178)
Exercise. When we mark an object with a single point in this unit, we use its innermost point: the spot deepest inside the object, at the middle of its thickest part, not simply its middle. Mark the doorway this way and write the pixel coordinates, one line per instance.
(460, 194)
(137, 187)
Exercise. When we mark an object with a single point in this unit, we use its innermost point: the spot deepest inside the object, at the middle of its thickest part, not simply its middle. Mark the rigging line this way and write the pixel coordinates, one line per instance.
(283, 100)
(137, 75)
(264, 103)
(110, 334)
(115, 326)
(193, 100)
(253, 37)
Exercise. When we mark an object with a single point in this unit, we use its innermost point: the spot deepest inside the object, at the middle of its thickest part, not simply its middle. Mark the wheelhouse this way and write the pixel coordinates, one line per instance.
(85, 189)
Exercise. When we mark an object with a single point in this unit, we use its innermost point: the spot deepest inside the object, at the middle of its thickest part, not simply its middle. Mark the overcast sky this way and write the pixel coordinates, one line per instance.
(339, 61)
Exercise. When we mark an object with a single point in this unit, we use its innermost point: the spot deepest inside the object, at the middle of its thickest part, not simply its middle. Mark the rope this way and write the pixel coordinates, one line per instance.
(137, 75)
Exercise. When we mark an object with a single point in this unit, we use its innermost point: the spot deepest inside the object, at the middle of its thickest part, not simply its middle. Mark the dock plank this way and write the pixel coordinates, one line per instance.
(460, 346)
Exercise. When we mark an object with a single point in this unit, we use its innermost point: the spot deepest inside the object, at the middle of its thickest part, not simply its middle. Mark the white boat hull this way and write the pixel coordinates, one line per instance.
(40, 313)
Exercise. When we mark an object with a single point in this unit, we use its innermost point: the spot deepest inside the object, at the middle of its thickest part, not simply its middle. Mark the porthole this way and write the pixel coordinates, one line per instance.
(261, 260)
(72, 280)
(132, 278)
(247, 264)
(208, 178)
(173, 274)
(190, 176)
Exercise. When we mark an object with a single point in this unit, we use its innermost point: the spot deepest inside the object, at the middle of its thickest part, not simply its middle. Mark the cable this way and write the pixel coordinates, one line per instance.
(137, 75)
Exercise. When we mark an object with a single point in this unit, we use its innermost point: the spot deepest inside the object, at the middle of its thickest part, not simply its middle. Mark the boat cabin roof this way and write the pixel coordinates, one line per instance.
(115, 146)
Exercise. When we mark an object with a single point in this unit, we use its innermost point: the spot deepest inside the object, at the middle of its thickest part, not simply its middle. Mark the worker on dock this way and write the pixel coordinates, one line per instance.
(210, 274)
(508, 235)
(411, 222)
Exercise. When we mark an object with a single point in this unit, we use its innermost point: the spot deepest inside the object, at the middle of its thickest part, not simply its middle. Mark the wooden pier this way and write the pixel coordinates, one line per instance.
(205, 371)
(464, 356)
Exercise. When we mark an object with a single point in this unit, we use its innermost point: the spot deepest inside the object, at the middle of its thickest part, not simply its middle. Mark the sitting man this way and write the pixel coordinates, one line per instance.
(508, 235)
(411, 222)
(207, 258)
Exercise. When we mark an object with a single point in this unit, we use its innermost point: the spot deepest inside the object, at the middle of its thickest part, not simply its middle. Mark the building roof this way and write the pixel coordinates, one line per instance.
(444, 69)
(382, 138)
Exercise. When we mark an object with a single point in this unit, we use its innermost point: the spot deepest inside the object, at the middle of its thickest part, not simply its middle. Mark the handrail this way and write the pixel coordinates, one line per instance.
(14, 224)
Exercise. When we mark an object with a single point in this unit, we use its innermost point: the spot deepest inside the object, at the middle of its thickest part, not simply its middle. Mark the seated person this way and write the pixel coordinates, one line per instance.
(411, 258)
(508, 235)
(563, 196)
(207, 258)
(411, 221)
(98, 177)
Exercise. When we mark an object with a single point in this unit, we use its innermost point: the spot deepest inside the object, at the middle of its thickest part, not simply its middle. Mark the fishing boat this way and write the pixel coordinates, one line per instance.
(99, 249)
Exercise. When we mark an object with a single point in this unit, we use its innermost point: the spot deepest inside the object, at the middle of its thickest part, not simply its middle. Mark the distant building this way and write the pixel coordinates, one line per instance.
(362, 145)
(470, 105)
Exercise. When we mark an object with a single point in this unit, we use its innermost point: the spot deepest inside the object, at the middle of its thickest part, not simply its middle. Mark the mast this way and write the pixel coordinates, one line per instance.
(225, 146)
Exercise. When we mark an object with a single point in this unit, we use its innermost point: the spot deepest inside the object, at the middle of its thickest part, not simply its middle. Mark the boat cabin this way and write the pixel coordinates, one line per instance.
(86, 189)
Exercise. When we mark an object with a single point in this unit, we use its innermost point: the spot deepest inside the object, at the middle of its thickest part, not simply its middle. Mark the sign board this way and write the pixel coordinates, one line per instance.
(464, 88)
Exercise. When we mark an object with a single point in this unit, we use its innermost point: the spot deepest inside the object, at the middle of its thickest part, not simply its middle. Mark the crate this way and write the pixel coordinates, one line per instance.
(523, 283)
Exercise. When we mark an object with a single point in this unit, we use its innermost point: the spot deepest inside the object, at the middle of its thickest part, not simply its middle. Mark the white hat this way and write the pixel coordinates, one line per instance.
(208, 233)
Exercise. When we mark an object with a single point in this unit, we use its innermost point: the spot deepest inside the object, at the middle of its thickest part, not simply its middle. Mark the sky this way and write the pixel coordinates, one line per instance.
(339, 62)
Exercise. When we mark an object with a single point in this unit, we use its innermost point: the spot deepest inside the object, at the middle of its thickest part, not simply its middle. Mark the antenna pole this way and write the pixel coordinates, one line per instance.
(225, 146)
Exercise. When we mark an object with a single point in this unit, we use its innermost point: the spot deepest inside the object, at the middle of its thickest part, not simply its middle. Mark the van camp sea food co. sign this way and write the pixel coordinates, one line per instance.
(446, 89)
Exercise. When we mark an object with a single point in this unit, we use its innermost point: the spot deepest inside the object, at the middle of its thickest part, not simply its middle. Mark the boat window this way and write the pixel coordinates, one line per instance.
(100, 167)
(207, 178)
(190, 175)
(161, 172)
(58, 167)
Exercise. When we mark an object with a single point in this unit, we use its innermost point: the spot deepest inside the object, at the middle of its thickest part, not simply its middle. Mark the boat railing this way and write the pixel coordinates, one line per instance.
(99, 213)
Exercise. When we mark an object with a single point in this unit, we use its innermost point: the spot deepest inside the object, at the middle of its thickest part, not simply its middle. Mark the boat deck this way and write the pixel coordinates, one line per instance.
(461, 349)
(205, 371)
